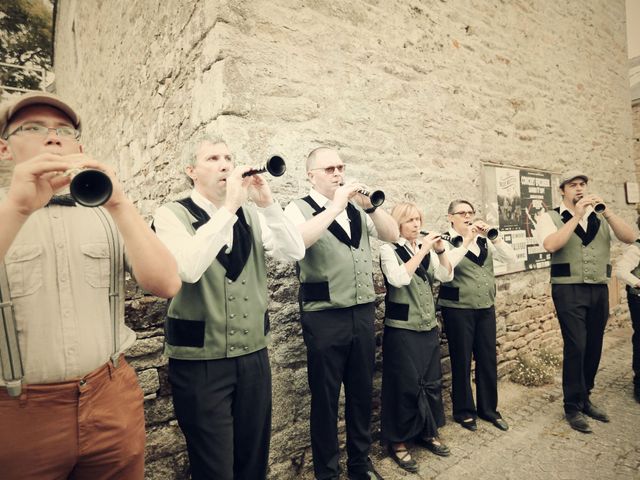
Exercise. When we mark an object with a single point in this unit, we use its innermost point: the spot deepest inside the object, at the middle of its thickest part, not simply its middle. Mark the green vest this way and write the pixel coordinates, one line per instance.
(336, 272)
(217, 317)
(579, 263)
(474, 283)
(411, 307)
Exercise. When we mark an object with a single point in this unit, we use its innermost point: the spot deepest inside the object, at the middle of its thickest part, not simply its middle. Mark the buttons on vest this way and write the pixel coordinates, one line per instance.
(229, 281)
(232, 348)
(231, 332)
(245, 331)
(233, 315)
(231, 298)
(245, 348)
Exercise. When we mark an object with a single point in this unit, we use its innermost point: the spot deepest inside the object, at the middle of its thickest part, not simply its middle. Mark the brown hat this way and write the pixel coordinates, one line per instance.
(572, 174)
(9, 108)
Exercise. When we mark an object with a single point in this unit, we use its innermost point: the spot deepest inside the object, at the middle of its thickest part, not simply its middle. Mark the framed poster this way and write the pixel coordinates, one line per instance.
(514, 198)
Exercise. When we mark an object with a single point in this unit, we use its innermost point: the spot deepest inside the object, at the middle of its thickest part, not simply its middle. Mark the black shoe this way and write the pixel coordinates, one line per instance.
(500, 424)
(370, 474)
(596, 413)
(402, 457)
(469, 424)
(578, 422)
(434, 446)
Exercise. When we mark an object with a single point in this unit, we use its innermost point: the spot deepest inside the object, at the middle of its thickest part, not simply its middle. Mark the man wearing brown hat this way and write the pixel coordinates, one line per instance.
(578, 235)
(70, 405)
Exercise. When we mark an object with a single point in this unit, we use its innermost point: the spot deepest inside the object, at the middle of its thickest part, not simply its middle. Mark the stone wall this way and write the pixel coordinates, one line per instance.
(416, 95)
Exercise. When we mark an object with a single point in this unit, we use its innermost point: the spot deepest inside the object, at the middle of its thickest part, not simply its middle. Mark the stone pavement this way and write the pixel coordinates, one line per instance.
(540, 444)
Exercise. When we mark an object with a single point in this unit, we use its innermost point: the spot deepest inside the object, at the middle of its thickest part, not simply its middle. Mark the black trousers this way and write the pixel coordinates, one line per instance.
(224, 410)
(583, 311)
(472, 331)
(634, 309)
(340, 350)
(411, 385)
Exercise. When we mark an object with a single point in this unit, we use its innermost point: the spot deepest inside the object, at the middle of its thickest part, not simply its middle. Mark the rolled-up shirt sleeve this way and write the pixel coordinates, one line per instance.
(194, 253)
(280, 236)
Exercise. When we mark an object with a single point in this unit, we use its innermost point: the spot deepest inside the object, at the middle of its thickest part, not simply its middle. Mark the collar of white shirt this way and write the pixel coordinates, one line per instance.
(404, 242)
(319, 198)
(201, 201)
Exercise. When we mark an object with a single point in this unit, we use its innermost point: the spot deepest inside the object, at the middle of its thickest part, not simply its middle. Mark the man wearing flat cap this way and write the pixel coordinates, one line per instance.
(70, 405)
(578, 235)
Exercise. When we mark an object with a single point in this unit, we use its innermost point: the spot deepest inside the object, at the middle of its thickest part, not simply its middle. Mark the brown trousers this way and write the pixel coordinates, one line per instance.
(92, 428)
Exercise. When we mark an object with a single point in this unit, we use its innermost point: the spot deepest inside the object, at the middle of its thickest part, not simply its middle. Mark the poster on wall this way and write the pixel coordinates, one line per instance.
(514, 199)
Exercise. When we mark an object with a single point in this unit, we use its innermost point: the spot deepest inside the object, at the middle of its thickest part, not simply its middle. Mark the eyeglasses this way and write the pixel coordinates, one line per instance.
(36, 129)
(330, 170)
(464, 213)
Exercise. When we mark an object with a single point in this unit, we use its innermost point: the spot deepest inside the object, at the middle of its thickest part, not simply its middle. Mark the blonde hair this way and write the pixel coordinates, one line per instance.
(402, 212)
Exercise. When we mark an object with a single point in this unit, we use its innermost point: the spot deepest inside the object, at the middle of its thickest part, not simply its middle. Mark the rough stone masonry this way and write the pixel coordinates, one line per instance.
(415, 94)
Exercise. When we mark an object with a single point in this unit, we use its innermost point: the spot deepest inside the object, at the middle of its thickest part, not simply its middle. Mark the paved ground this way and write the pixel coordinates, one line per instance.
(540, 444)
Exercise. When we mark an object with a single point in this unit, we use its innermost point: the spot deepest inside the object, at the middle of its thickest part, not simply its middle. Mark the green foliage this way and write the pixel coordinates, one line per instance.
(25, 40)
(533, 370)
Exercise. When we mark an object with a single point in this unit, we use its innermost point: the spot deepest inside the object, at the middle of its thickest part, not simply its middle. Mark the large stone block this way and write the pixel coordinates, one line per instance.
(146, 346)
(149, 381)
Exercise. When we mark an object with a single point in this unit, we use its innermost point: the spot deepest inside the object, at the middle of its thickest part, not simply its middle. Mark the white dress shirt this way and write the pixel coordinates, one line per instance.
(395, 271)
(195, 253)
(295, 215)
